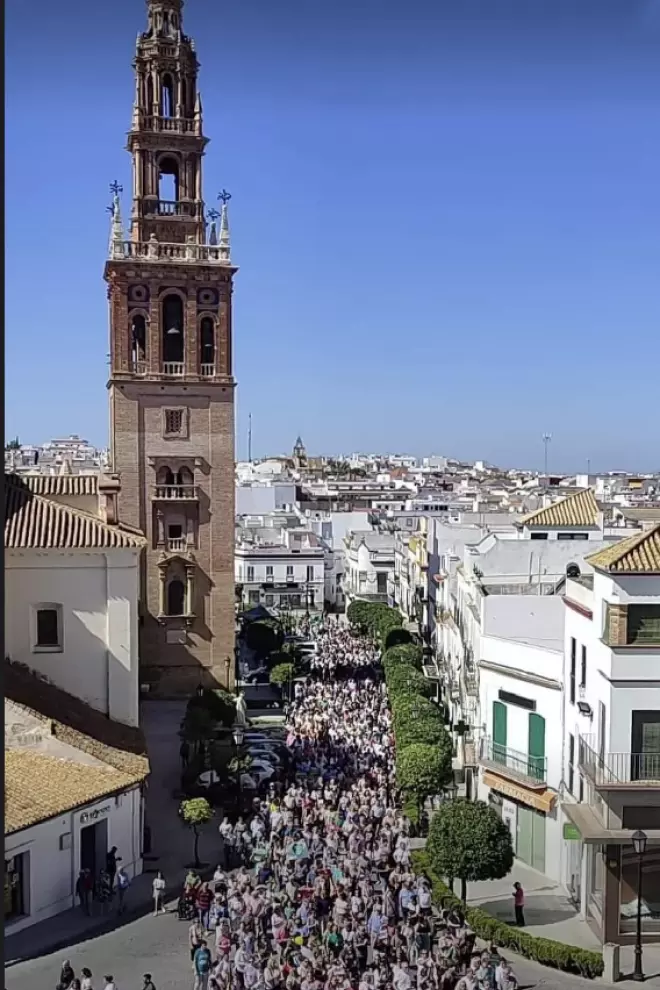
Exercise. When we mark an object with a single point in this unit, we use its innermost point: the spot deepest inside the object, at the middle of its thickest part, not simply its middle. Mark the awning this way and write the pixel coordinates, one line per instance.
(541, 800)
(592, 829)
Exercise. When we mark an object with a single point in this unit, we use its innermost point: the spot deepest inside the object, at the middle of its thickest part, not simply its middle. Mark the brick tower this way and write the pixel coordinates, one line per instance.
(171, 385)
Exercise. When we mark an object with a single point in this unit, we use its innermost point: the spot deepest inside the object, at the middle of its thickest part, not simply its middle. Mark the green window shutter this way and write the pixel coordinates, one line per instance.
(536, 747)
(499, 732)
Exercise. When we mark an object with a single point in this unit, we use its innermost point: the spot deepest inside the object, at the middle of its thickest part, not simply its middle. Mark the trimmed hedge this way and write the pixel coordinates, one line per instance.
(397, 636)
(402, 679)
(405, 654)
(567, 958)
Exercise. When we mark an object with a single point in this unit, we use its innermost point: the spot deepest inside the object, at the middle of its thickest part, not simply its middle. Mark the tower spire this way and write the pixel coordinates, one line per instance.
(116, 225)
(223, 239)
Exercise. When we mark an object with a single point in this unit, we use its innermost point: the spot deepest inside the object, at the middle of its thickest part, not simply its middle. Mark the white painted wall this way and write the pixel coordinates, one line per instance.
(279, 574)
(98, 595)
(53, 872)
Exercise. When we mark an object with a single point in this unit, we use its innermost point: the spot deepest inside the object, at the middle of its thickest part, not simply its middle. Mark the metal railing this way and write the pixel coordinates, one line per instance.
(175, 369)
(511, 762)
(170, 208)
(618, 769)
(175, 493)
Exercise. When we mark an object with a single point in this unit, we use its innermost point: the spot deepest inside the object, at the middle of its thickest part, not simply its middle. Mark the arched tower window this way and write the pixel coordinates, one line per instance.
(184, 476)
(138, 341)
(172, 328)
(165, 476)
(176, 597)
(150, 92)
(168, 180)
(184, 95)
(167, 99)
(207, 339)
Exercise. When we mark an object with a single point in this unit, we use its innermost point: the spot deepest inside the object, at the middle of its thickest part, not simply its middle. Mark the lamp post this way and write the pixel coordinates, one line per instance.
(639, 845)
(238, 732)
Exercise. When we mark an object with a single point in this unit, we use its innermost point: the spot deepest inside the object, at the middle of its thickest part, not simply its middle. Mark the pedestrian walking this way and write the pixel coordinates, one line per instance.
(158, 888)
(202, 967)
(86, 979)
(84, 892)
(123, 883)
(111, 860)
(519, 904)
(148, 982)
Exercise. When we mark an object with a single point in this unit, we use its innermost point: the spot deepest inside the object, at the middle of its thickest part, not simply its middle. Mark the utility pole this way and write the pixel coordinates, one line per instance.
(547, 437)
(250, 438)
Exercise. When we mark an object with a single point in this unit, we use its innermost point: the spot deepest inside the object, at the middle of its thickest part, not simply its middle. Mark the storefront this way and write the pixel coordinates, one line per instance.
(527, 813)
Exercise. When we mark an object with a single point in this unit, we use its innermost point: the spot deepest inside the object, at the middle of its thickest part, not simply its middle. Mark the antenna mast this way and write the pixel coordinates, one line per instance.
(250, 438)
(547, 437)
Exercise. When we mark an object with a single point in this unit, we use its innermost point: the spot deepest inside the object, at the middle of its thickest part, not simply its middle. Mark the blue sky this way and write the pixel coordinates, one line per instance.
(446, 217)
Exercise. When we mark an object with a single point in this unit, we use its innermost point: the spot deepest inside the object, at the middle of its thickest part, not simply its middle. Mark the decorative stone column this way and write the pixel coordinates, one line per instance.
(161, 589)
(190, 589)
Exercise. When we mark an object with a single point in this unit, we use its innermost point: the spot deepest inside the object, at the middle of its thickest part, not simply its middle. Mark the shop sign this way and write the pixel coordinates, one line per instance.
(92, 816)
(571, 832)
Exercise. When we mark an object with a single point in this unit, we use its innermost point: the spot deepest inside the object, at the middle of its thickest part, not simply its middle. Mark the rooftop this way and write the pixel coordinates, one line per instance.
(33, 521)
(639, 554)
(578, 509)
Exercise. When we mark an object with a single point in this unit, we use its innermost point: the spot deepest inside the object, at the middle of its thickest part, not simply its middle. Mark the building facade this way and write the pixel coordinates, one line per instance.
(368, 563)
(612, 737)
(171, 383)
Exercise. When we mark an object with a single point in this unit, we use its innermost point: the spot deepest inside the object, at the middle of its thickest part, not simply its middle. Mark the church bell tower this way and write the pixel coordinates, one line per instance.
(171, 384)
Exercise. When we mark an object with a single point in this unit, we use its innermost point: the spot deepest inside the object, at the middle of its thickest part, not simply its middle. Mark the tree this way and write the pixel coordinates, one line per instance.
(408, 654)
(196, 812)
(282, 674)
(396, 636)
(422, 771)
(417, 720)
(469, 840)
(402, 679)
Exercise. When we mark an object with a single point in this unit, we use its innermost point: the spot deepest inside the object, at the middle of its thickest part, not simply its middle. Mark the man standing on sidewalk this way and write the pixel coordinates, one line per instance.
(519, 904)
(123, 883)
(84, 891)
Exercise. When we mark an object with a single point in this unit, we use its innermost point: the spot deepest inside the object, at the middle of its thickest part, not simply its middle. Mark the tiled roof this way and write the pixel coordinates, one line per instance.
(639, 554)
(35, 522)
(61, 484)
(39, 787)
(579, 509)
(120, 746)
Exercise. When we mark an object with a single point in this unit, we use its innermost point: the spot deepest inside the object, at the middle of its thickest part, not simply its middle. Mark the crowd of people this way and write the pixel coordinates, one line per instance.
(318, 891)
(339, 649)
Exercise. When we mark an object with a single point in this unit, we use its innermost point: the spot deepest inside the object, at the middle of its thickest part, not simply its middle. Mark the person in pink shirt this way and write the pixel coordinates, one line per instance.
(519, 904)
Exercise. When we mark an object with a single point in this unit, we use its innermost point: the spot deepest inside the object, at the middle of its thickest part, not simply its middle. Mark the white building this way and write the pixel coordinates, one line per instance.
(282, 569)
(71, 589)
(73, 789)
(611, 736)
(369, 559)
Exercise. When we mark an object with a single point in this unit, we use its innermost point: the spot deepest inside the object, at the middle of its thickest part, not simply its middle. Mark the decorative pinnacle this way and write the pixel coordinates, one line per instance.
(116, 226)
(224, 197)
(213, 232)
(223, 240)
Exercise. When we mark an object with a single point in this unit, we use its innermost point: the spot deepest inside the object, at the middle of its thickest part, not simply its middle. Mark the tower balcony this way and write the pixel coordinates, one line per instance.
(175, 493)
(174, 369)
(171, 208)
(168, 125)
(168, 252)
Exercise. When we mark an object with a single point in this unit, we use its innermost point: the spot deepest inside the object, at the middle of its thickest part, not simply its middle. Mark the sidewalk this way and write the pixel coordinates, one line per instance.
(172, 847)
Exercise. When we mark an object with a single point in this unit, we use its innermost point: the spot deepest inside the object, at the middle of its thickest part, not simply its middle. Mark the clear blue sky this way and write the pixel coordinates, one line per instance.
(446, 217)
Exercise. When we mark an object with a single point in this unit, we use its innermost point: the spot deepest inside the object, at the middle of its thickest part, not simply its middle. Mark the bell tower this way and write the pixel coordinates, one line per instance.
(171, 385)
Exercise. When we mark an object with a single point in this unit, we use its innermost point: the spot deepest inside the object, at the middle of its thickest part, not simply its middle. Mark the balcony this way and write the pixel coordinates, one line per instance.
(175, 493)
(171, 208)
(173, 369)
(168, 252)
(530, 771)
(207, 370)
(177, 544)
(170, 125)
(614, 771)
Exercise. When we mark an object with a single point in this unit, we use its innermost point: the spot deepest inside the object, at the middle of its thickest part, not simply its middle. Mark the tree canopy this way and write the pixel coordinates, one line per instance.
(470, 841)
(423, 771)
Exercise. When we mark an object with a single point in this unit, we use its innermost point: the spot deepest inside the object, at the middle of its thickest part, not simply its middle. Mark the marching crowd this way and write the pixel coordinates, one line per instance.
(326, 897)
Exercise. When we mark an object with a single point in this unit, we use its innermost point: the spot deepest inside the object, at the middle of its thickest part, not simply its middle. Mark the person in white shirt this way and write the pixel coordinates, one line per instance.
(158, 888)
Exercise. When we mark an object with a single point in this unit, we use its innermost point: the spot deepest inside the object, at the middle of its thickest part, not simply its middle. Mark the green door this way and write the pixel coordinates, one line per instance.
(538, 841)
(525, 843)
(536, 747)
(499, 732)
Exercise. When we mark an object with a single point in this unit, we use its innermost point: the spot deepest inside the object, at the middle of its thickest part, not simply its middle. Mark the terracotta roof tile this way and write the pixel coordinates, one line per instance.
(120, 746)
(578, 509)
(639, 554)
(61, 484)
(35, 522)
(39, 787)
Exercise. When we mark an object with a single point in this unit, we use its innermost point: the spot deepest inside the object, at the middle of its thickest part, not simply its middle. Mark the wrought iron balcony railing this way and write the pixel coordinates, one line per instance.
(513, 764)
(618, 770)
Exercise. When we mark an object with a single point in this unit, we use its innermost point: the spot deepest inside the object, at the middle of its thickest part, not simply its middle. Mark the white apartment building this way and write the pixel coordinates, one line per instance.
(611, 737)
(283, 570)
(368, 559)
(71, 589)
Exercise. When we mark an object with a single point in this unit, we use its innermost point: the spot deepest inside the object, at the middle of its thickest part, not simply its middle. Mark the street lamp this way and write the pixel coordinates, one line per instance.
(639, 845)
(238, 732)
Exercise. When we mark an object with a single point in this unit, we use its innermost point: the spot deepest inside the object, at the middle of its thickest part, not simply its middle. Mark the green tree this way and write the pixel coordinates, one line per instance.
(396, 636)
(282, 674)
(469, 841)
(196, 812)
(402, 679)
(417, 720)
(422, 771)
(409, 654)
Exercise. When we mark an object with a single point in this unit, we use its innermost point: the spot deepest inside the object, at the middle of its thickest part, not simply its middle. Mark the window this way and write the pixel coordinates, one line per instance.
(174, 422)
(571, 763)
(295, 601)
(269, 573)
(536, 747)
(207, 340)
(289, 572)
(176, 597)
(581, 790)
(253, 597)
(250, 573)
(47, 635)
(571, 683)
(172, 328)
(269, 600)
(381, 585)
(516, 699)
(175, 532)
(572, 536)
(643, 624)
(17, 886)
(583, 668)
(538, 536)
(310, 572)
(645, 745)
